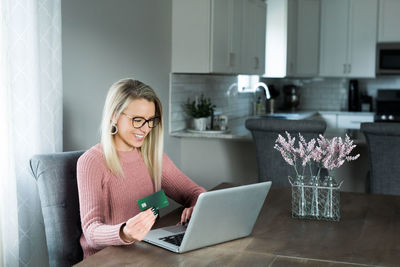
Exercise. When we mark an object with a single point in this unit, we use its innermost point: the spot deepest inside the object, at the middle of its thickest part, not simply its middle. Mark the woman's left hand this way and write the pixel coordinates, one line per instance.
(186, 214)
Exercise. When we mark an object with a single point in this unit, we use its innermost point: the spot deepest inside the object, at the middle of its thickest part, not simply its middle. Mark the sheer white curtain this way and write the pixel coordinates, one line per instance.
(30, 120)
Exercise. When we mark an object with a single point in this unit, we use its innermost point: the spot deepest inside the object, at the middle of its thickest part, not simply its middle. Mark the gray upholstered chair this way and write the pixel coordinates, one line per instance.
(271, 165)
(383, 141)
(55, 175)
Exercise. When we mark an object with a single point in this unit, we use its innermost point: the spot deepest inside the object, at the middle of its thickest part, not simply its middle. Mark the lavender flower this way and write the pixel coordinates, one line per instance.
(287, 149)
(327, 153)
(337, 152)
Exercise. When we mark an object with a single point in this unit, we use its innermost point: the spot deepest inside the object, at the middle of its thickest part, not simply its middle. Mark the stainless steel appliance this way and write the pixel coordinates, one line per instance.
(388, 58)
(388, 105)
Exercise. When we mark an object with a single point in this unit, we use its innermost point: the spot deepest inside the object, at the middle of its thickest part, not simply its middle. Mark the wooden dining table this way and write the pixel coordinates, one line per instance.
(367, 234)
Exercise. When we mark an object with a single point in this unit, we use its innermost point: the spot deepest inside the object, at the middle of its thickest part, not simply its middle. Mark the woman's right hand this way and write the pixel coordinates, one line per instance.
(137, 227)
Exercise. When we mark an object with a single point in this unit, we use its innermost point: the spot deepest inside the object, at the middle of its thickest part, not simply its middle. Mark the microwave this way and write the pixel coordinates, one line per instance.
(388, 58)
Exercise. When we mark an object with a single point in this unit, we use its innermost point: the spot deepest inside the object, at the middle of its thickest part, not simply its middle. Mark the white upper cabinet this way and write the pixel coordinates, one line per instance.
(224, 49)
(218, 36)
(306, 27)
(293, 28)
(389, 21)
(348, 38)
(253, 38)
(191, 36)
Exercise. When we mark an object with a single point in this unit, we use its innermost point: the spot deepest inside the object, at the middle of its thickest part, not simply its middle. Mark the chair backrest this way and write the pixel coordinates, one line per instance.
(55, 176)
(383, 141)
(271, 165)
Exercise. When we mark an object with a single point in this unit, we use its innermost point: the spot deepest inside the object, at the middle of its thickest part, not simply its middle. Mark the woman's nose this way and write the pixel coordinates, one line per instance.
(145, 128)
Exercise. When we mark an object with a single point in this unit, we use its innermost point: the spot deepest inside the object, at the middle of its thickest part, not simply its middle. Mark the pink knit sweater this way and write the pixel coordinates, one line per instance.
(106, 202)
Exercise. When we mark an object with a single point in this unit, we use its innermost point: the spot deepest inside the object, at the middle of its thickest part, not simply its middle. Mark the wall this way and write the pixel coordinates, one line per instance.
(212, 161)
(104, 41)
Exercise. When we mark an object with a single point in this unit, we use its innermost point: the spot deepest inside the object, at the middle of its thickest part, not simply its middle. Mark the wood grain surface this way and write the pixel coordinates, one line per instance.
(368, 234)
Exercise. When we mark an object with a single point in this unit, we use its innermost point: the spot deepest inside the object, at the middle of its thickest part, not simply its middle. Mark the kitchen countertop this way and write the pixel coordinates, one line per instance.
(238, 131)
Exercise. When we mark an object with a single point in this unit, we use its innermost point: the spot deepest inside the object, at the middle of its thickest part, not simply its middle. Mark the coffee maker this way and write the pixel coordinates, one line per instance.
(291, 97)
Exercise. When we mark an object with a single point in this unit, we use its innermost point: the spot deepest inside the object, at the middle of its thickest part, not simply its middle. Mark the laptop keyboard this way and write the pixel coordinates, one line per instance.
(174, 239)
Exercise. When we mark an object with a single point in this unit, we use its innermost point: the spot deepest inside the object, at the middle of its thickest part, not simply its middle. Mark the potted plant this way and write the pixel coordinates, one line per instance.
(199, 110)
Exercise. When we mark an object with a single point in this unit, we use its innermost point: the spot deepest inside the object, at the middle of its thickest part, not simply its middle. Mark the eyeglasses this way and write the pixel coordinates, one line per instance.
(139, 122)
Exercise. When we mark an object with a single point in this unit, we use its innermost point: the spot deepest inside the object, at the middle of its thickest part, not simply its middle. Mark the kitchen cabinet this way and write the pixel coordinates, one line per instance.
(253, 41)
(292, 47)
(348, 38)
(389, 21)
(306, 25)
(345, 120)
(353, 121)
(218, 36)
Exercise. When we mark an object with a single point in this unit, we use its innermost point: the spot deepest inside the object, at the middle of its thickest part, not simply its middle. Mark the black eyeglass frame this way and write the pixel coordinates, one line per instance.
(156, 120)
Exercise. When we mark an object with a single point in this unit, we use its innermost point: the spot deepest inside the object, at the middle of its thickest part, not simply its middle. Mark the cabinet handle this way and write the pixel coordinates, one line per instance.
(344, 68)
(349, 68)
(231, 59)
(256, 61)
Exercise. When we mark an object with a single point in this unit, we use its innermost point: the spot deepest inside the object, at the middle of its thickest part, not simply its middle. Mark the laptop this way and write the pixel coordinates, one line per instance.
(219, 216)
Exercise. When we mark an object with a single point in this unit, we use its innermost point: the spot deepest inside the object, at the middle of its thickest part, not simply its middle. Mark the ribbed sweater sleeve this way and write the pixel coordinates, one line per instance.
(177, 185)
(91, 179)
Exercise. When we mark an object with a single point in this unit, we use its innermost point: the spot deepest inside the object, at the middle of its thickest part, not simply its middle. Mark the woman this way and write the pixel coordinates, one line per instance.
(127, 165)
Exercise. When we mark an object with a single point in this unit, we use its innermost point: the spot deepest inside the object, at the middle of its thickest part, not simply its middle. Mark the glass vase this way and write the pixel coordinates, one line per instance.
(314, 182)
(298, 197)
(332, 201)
(315, 199)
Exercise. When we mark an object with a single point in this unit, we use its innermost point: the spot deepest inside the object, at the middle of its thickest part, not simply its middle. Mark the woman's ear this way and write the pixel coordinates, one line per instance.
(114, 119)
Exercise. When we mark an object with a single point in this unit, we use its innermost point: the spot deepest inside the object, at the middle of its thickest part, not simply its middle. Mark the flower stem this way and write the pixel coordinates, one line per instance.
(297, 173)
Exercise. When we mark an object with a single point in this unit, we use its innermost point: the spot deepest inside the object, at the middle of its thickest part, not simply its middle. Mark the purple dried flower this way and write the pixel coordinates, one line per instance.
(327, 153)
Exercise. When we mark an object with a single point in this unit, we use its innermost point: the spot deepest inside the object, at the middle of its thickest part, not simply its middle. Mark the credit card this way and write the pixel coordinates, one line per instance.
(157, 200)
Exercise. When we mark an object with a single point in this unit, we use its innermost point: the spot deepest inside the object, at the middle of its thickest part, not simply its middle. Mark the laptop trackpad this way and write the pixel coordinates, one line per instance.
(165, 231)
(173, 229)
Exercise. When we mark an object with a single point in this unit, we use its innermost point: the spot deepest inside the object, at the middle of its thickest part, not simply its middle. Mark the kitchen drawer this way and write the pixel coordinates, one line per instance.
(353, 121)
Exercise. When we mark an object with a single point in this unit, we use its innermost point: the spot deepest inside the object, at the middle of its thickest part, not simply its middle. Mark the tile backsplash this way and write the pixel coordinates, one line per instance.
(324, 94)
(221, 89)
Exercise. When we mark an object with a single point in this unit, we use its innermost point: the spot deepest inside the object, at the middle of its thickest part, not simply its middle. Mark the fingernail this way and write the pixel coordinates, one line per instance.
(154, 210)
(183, 223)
(187, 220)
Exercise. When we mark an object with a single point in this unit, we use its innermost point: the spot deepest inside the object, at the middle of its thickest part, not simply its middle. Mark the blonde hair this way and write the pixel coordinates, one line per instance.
(118, 98)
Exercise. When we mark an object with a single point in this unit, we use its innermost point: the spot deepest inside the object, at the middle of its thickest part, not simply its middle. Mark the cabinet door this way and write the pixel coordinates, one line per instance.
(191, 36)
(307, 38)
(260, 29)
(236, 35)
(389, 21)
(362, 38)
(334, 35)
(292, 29)
(253, 39)
(353, 121)
(221, 36)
